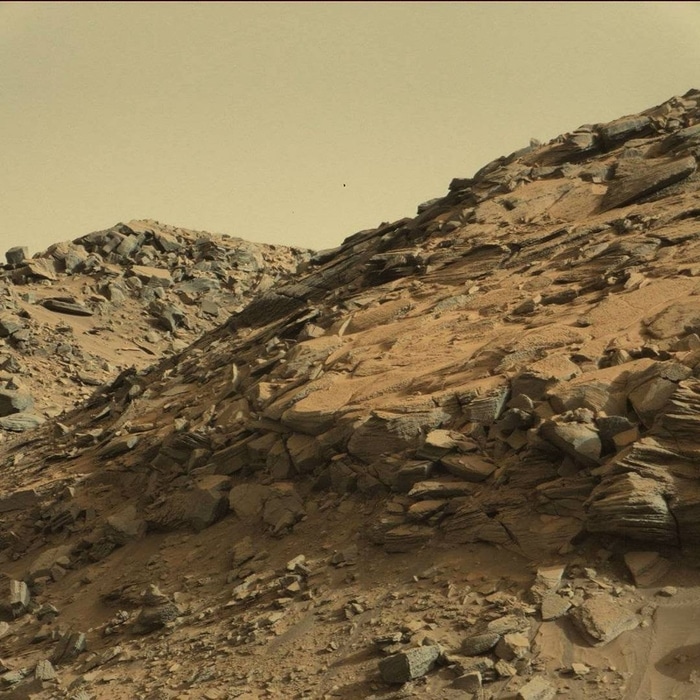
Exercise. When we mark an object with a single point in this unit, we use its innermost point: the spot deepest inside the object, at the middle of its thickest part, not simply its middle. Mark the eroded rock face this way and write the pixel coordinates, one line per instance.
(518, 365)
(75, 315)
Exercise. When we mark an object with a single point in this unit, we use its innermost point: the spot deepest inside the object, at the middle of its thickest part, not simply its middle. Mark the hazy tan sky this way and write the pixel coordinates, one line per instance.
(301, 123)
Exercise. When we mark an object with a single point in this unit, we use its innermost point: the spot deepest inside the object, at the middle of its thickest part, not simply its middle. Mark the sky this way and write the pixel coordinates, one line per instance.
(302, 123)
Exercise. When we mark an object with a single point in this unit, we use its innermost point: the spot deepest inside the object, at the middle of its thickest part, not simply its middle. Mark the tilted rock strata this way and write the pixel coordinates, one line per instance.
(516, 365)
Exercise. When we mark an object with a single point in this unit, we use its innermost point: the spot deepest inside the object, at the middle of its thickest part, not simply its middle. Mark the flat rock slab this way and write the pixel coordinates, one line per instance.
(19, 422)
(651, 179)
(14, 402)
(440, 489)
(554, 606)
(601, 620)
(468, 467)
(62, 306)
(537, 689)
(19, 500)
(480, 643)
(408, 665)
(646, 567)
(41, 566)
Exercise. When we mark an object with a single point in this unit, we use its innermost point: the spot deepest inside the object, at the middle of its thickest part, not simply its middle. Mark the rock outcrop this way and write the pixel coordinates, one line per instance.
(517, 367)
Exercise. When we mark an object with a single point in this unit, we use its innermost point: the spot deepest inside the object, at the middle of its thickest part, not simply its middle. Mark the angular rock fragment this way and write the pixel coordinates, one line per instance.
(537, 689)
(620, 130)
(14, 598)
(554, 606)
(646, 567)
(409, 665)
(547, 581)
(480, 643)
(600, 620)
(580, 441)
(650, 179)
(44, 670)
(407, 538)
(22, 421)
(70, 645)
(158, 610)
(16, 255)
(66, 306)
(19, 500)
(442, 488)
(469, 682)
(42, 565)
(632, 506)
(125, 525)
(514, 645)
(14, 402)
(468, 467)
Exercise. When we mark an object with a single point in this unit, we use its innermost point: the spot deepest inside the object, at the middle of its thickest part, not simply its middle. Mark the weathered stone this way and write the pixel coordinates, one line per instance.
(649, 398)
(408, 665)
(16, 255)
(283, 508)
(14, 402)
(508, 624)
(407, 538)
(119, 445)
(158, 610)
(66, 306)
(41, 566)
(667, 591)
(424, 510)
(248, 500)
(70, 645)
(18, 500)
(44, 670)
(600, 620)
(14, 598)
(554, 606)
(620, 130)
(647, 180)
(537, 689)
(646, 567)
(442, 488)
(547, 580)
(468, 467)
(407, 476)
(125, 525)
(677, 319)
(469, 682)
(20, 422)
(480, 664)
(579, 440)
(480, 643)
(466, 521)
(386, 432)
(616, 432)
(438, 443)
(154, 276)
(504, 669)
(305, 453)
(632, 506)
(513, 645)
(199, 507)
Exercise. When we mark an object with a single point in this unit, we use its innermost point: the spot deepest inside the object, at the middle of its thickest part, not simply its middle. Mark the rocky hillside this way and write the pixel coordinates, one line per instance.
(454, 457)
(74, 316)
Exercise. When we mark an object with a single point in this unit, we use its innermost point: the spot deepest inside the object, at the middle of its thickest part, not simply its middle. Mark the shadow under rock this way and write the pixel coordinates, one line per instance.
(680, 662)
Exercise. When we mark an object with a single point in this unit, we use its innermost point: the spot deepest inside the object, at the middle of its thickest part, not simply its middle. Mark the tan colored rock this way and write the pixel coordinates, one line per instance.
(647, 568)
(600, 620)
(537, 689)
